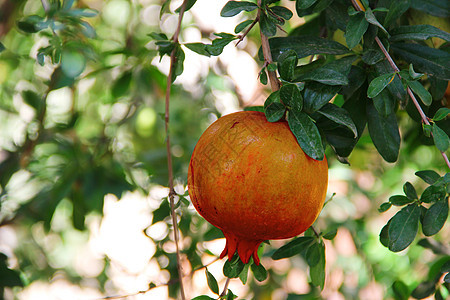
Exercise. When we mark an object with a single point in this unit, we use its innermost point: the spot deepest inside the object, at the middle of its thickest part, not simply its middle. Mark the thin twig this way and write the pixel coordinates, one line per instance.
(173, 60)
(225, 288)
(358, 6)
(315, 231)
(274, 82)
(241, 37)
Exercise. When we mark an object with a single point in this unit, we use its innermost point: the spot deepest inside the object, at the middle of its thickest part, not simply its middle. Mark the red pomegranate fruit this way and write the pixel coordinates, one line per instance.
(250, 178)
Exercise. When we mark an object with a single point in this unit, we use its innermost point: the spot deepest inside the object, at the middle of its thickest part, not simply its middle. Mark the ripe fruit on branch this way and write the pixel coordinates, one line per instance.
(251, 179)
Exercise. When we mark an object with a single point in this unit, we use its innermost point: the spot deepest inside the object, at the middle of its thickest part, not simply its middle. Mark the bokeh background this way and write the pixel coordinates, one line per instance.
(83, 183)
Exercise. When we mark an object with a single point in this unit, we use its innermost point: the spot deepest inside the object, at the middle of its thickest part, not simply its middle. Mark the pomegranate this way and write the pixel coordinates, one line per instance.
(251, 179)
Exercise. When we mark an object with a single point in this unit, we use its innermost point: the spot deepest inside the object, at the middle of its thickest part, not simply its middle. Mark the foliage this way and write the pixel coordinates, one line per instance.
(340, 94)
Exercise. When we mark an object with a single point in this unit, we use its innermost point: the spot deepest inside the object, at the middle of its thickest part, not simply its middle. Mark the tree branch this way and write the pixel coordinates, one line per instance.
(169, 154)
(358, 6)
(274, 82)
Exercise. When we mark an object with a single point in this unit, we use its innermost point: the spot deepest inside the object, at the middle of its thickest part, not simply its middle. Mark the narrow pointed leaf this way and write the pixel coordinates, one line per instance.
(233, 8)
(403, 228)
(420, 91)
(435, 218)
(306, 133)
(356, 27)
(418, 33)
(212, 282)
(429, 176)
(378, 84)
(292, 248)
(440, 138)
(338, 115)
(317, 272)
(370, 17)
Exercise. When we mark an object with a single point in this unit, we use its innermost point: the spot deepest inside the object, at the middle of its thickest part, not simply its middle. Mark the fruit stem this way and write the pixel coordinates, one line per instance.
(359, 7)
(172, 192)
(274, 82)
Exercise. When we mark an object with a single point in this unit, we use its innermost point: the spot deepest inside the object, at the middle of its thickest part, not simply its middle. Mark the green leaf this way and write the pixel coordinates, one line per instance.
(418, 33)
(304, 46)
(212, 282)
(384, 234)
(420, 91)
(294, 247)
(179, 61)
(396, 87)
(234, 268)
(304, 4)
(122, 85)
(438, 8)
(259, 272)
(282, 12)
(403, 228)
(434, 246)
(158, 36)
(203, 297)
(401, 290)
(244, 274)
(273, 108)
(263, 76)
(198, 48)
(33, 100)
(330, 235)
(384, 103)
(435, 218)
(433, 193)
(410, 191)
(429, 176)
(313, 254)
(291, 96)
(317, 272)
(32, 24)
(399, 200)
(188, 6)
(286, 65)
(8, 277)
(254, 108)
(339, 116)
(230, 295)
(306, 133)
(233, 8)
(370, 17)
(425, 59)
(241, 26)
(268, 27)
(72, 63)
(356, 27)
(385, 207)
(378, 84)
(424, 290)
(396, 10)
(384, 133)
(440, 138)
(441, 114)
(161, 212)
(316, 95)
(333, 73)
(2, 47)
(413, 74)
(317, 7)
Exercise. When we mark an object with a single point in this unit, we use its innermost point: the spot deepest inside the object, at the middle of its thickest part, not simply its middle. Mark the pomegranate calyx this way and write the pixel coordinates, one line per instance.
(245, 248)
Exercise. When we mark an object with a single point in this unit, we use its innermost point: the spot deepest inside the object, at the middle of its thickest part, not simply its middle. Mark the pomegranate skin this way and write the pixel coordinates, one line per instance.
(251, 179)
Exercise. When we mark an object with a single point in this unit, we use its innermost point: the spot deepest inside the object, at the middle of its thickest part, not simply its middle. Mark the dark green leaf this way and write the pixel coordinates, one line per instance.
(259, 272)
(244, 274)
(2, 47)
(399, 200)
(282, 12)
(263, 76)
(418, 33)
(286, 65)
(179, 61)
(424, 289)
(447, 278)
(384, 103)
(317, 272)
(435, 218)
(122, 85)
(384, 234)
(294, 247)
(199, 48)
(339, 116)
(378, 84)
(396, 9)
(203, 297)
(273, 108)
(356, 78)
(305, 46)
(316, 95)
(313, 254)
(429, 176)
(241, 26)
(230, 295)
(330, 235)
(384, 133)
(333, 73)
(385, 206)
(355, 30)
(441, 114)
(403, 228)
(291, 96)
(401, 290)
(425, 59)
(33, 100)
(233, 8)
(32, 24)
(434, 246)
(410, 191)
(8, 277)
(420, 91)
(433, 193)
(268, 26)
(306, 133)
(254, 108)
(370, 17)
(396, 87)
(438, 8)
(188, 6)
(212, 282)
(162, 212)
(440, 138)
(304, 4)
(158, 36)
(317, 7)
(234, 268)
